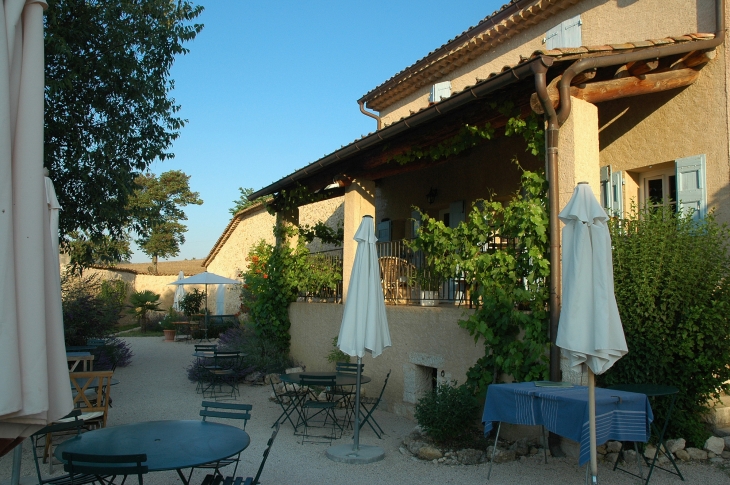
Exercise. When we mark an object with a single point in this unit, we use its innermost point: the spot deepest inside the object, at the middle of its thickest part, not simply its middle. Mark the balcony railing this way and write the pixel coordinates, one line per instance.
(324, 277)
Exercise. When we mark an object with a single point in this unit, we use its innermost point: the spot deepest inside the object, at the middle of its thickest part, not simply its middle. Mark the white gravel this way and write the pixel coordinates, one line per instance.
(156, 387)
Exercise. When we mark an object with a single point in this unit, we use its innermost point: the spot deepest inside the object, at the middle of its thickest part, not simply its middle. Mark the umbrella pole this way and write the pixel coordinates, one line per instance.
(356, 444)
(592, 421)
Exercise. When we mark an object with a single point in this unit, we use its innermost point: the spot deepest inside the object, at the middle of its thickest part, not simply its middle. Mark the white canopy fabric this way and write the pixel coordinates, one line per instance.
(34, 377)
(179, 293)
(206, 278)
(589, 330)
(364, 323)
(220, 299)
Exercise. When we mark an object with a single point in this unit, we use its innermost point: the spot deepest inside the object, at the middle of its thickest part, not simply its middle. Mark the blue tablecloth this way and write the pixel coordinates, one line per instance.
(620, 416)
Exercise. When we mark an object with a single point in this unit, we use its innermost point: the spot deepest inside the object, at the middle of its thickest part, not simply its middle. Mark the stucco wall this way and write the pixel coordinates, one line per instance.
(424, 338)
(603, 22)
(331, 212)
(670, 125)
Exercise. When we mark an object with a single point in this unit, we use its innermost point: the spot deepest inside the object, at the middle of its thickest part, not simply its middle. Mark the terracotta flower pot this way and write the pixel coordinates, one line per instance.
(169, 335)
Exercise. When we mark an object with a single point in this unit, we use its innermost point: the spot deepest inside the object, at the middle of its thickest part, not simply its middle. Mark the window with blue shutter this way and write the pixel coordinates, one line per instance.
(440, 91)
(691, 185)
(565, 34)
(617, 194)
(415, 223)
(606, 189)
(456, 213)
(384, 231)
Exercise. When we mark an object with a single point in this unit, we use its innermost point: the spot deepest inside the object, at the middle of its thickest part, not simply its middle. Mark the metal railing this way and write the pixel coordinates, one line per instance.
(324, 277)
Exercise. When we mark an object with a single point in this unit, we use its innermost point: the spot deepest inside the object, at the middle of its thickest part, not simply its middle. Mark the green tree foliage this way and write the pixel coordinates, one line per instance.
(91, 307)
(502, 251)
(157, 207)
(143, 302)
(108, 110)
(672, 291)
(103, 251)
(243, 201)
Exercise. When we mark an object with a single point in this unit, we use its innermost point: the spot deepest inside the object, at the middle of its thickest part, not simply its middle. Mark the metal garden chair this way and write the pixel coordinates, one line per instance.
(369, 405)
(221, 410)
(105, 468)
(232, 480)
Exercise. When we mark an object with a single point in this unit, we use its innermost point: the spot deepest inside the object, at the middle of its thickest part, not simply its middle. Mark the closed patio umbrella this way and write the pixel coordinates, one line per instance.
(364, 328)
(589, 330)
(34, 377)
(179, 292)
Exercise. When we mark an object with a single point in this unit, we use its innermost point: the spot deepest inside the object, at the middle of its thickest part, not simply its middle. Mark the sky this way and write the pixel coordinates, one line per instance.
(269, 87)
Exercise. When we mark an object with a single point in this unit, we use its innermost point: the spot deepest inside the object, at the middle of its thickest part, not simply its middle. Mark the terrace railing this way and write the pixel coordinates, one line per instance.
(323, 277)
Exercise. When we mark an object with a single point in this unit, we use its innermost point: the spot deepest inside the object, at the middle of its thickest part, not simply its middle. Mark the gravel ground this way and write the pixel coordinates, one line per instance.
(155, 387)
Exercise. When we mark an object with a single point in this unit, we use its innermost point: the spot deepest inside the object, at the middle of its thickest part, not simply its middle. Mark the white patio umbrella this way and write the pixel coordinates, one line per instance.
(34, 377)
(179, 292)
(206, 278)
(220, 300)
(364, 328)
(589, 330)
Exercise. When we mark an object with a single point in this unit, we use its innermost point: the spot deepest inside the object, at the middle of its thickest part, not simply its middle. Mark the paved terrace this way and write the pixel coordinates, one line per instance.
(155, 387)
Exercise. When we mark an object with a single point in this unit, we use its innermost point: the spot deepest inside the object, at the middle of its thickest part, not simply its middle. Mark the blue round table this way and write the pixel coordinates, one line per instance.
(169, 445)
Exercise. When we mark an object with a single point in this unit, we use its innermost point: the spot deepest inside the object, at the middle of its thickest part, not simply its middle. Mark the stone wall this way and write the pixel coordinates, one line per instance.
(427, 344)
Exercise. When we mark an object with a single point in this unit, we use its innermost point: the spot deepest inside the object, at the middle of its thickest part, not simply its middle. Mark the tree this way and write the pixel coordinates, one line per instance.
(157, 209)
(243, 201)
(108, 110)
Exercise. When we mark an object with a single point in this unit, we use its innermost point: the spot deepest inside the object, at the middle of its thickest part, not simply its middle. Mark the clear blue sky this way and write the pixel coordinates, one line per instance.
(269, 87)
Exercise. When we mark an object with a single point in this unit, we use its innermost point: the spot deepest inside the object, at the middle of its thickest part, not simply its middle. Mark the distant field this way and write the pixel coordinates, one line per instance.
(189, 267)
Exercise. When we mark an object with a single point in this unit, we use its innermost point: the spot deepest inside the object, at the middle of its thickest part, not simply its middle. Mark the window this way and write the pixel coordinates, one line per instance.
(565, 34)
(658, 189)
(440, 91)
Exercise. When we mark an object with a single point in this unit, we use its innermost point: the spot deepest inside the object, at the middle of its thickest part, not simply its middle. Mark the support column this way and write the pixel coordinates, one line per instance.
(359, 202)
(578, 162)
(578, 142)
(289, 218)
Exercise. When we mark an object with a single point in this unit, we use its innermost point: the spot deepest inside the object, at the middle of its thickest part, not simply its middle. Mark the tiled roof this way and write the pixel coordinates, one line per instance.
(563, 54)
(511, 19)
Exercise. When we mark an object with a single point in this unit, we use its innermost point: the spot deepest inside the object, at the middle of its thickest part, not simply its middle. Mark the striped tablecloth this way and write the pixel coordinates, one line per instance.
(620, 416)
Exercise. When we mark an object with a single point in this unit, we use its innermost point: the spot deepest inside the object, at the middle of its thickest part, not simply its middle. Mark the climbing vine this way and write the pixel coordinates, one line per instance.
(502, 252)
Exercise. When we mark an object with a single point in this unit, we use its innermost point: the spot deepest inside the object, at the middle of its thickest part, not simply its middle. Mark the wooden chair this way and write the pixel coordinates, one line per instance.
(395, 275)
(219, 480)
(220, 410)
(91, 394)
(105, 468)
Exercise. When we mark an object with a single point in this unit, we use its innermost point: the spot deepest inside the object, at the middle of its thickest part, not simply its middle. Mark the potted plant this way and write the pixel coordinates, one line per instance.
(429, 283)
(168, 328)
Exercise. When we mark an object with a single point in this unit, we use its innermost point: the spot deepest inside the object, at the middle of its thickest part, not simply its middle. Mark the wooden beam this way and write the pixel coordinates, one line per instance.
(601, 91)
(637, 68)
(694, 59)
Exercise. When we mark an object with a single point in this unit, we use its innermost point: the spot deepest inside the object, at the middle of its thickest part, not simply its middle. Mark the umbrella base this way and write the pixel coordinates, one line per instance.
(345, 454)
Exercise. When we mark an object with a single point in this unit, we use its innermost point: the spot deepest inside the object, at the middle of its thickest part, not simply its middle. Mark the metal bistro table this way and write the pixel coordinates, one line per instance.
(294, 378)
(652, 391)
(169, 445)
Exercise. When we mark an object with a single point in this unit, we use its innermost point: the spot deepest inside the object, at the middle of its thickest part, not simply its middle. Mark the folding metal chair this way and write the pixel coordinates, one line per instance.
(39, 440)
(346, 394)
(219, 480)
(310, 408)
(223, 372)
(105, 468)
(224, 410)
(369, 405)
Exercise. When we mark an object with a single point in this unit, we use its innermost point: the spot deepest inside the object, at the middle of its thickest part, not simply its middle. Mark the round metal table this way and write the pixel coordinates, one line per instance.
(340, 379)
(169, 445)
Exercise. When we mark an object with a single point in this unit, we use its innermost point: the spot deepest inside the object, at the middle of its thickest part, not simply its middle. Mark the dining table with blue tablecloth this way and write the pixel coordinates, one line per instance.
(563, 409)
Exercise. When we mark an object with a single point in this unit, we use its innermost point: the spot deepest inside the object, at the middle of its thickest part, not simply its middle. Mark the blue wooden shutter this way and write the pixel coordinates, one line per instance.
(440, 91)
(415, 223)
(606, 189)
(691, 188)
(617, 194)
(456, 213)
(572, 32)
(384, 231)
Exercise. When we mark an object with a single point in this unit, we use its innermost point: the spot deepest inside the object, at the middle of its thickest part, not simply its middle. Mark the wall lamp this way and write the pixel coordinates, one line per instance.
(431, 195)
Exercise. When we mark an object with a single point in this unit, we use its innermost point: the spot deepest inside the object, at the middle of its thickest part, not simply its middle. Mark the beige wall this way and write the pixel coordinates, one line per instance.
(331, 212)
(604, 22)
(423, 338)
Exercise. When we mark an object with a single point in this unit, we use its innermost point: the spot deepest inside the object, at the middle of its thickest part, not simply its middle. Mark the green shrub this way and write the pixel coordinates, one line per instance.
(335, 354)
(192, 302)
(448, 414)
(671, 287)
(141, 303)
(88, 310)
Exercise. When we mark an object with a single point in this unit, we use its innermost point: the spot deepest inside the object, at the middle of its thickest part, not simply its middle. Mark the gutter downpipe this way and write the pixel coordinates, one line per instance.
(556, 119)
(368, 113)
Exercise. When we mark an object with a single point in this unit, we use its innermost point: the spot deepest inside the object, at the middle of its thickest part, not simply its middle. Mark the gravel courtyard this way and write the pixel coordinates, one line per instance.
(155, 387)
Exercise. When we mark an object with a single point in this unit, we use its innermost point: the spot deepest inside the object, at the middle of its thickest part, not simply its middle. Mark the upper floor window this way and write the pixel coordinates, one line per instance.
(440, 91)
(565, 34)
